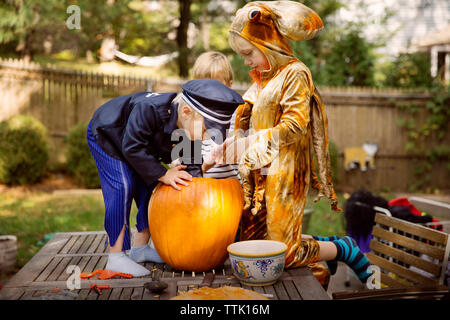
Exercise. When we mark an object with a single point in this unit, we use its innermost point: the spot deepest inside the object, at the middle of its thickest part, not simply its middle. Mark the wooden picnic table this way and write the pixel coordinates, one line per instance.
(47, 270)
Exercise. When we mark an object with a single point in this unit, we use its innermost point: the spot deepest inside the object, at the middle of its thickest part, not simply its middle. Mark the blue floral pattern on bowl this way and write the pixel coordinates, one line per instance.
(263, 265)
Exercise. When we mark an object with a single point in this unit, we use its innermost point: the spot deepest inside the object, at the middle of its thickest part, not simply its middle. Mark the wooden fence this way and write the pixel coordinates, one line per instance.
(63, 98)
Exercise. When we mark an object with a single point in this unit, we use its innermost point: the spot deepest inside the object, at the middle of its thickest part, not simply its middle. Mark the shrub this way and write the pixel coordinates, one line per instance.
(409, 70)
(23, 150)
(350, 61)
(80, 162)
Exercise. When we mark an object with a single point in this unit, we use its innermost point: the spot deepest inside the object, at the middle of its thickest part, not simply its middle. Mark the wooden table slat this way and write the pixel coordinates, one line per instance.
(101, 265)
(87, 243)
(270, 290)
(82, 295)
(91, 264)
(259, 289)
(64, 275)
(137, 293)
(95, 243)
(27, 295)
(77, 245)
(115, 293)
(92, 295)
(48, 269)
(281, 291)
(11, 293)
(60, 269)
(102, 246)
(83, 263)
(170, 292)
(105, 246)
(105, 294)
(291, 290)
(69, 244)
(307, 285)
(126, 294)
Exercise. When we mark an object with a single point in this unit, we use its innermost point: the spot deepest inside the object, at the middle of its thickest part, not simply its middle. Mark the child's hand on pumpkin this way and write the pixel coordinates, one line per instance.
(176, 175)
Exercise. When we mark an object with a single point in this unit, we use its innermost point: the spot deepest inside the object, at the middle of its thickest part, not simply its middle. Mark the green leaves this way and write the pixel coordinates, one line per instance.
(424, 134)
(79, 159)
(24, 150)
(409, 70)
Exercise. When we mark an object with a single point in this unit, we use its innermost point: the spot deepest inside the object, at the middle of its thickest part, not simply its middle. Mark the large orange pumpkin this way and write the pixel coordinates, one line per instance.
(191, 228)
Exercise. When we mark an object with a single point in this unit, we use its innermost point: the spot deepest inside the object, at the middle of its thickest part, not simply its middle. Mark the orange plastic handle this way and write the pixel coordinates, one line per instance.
(108, 274)
(100, 286)
(87, 275)
(105, 274)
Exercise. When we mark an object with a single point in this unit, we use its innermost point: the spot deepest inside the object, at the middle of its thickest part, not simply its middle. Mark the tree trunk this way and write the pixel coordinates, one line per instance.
(185, 18)
(204, 28)
(25, 47)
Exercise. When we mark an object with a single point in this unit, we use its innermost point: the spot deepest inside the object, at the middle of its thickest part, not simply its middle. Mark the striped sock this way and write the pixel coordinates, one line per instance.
(332, 238)
(332, 264)
(348, 252)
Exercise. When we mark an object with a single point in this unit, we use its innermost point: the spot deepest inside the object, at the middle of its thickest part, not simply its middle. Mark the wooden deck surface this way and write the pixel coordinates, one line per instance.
(47, 270)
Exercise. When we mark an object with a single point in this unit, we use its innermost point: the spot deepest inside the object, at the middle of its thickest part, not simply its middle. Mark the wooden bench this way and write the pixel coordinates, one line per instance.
(409, 256)
(398, 248)
(47, 270)
(423, 293)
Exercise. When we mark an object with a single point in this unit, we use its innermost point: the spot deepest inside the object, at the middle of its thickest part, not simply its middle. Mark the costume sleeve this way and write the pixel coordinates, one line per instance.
(242, 121)
(135, 144)
(244, 112)
(293, 123)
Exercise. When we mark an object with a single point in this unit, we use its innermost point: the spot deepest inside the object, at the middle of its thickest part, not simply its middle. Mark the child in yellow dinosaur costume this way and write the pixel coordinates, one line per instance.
(286, 123)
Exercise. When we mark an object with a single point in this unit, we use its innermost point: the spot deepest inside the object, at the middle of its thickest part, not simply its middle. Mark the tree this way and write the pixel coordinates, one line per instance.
(409, 70)
(22, 21)
(350, 61)
(182, 36)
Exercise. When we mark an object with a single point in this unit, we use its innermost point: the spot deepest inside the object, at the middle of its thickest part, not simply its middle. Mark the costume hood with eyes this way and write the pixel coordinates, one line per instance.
(288, 124)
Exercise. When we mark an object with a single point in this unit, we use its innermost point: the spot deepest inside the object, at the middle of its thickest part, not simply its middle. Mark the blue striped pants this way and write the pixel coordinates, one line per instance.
(120, 185)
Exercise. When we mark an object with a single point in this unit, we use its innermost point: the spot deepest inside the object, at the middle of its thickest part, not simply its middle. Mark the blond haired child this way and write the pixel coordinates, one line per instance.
(215, 65)
(286, 120)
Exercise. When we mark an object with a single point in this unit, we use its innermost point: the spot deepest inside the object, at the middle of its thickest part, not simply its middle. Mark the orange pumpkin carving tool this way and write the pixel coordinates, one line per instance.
(108, 274)
(87, 275)
(105, 274)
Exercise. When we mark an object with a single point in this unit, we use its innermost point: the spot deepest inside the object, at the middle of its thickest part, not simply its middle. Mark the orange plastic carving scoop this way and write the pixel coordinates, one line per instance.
(108, 274)
(87, 275)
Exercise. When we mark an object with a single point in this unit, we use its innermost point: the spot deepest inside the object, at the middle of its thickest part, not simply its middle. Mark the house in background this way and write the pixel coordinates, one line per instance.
(414, 25)
(438, 45)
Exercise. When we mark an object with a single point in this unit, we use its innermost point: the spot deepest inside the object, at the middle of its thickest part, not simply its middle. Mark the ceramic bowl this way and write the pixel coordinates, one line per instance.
(257, 262)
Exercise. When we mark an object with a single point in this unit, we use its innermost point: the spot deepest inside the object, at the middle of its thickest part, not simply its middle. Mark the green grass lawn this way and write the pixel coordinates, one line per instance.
(31, 217)
(324, 221)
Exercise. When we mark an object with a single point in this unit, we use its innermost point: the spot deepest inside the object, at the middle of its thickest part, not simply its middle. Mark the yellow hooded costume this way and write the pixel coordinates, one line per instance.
(286, 119)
